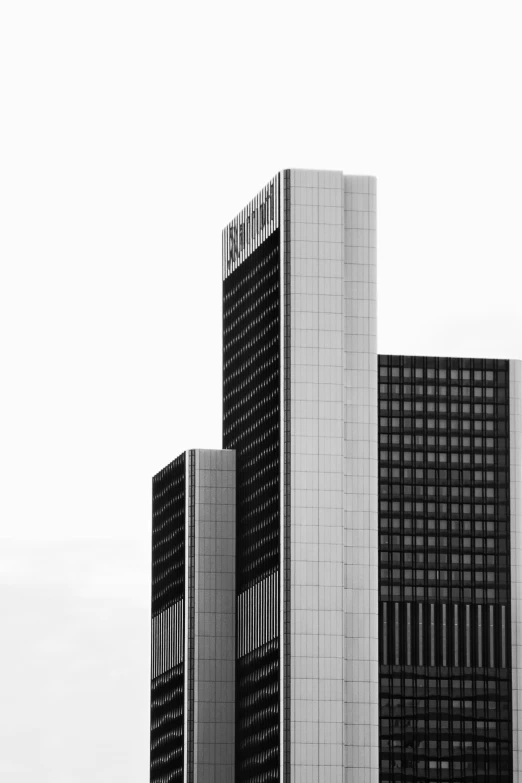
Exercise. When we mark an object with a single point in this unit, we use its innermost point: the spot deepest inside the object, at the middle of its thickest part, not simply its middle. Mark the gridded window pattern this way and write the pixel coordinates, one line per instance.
(444, 621)
(251, 423)
(450, 724)
(168, 568)
(257, 712)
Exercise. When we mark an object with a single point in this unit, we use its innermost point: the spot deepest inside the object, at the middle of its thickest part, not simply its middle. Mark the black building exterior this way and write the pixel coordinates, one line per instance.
(168, 585)
(444, 551)
(251, 422)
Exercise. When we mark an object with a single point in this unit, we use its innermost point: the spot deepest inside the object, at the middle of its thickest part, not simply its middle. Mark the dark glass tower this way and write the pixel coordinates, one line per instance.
(251, 420)
(444, 550)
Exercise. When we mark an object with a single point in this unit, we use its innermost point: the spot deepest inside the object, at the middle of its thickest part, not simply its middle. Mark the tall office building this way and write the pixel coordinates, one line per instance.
(300, 409)
(336, 668)
(449, 522)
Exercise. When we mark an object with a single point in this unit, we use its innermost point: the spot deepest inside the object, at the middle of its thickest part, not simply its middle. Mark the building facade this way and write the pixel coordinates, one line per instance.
(192, 722)
(361, 620)
(447, 444)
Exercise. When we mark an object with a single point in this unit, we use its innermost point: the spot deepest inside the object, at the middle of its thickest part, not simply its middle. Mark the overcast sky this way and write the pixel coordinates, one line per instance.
(130, 134)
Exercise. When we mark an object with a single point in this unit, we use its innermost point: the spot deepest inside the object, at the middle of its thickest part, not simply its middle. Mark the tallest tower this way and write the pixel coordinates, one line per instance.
(300, 409)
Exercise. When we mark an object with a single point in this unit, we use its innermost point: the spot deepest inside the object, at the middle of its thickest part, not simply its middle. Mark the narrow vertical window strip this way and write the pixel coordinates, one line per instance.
(432, 634)
(408, 634)
(152, 651)
(262, 617)
(268, 583)
(396, 636)
(259, 605)
(241, 613)
(444, 636)
(254, 616)
(491, 637)
(257, 613)
(270, 605)
(480, 635)
(455, 635)
(276, 605)
(169, 631)
(162, 643)
(154, 645)
(171, 636)
(179, 626)
(157, 647)
(468, 635)
(385, 633)
(503, 637)
(262, 604)
(239, 623)
(421, 634)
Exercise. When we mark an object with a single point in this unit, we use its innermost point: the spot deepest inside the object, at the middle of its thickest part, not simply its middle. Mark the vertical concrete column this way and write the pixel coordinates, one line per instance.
(214, 616)
(361, 672)
(317, 580)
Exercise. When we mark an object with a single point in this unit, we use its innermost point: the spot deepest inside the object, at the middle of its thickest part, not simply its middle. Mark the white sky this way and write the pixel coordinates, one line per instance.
(130, 134)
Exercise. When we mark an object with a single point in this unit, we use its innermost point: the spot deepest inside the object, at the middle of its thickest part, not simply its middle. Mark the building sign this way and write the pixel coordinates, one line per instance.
(251, 227)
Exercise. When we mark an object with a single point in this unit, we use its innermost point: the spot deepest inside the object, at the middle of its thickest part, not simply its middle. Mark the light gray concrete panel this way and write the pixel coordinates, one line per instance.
(361, 610)
(317, 573)
(213, 583)
(333, 479)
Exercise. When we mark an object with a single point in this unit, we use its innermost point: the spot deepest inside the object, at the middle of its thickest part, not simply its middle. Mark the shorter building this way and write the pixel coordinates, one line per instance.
(449, 581)
(193, 619)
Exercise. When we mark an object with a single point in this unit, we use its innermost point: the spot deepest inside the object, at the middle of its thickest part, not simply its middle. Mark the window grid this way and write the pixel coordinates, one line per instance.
(445, 686)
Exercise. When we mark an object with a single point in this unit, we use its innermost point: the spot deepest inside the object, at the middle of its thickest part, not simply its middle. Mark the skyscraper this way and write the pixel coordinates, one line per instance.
(449, 441)
(300, 409)
(342, 459)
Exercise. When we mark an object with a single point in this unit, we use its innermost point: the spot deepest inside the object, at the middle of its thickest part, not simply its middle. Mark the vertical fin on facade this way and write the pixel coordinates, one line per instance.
(515, 468)
(361, 675)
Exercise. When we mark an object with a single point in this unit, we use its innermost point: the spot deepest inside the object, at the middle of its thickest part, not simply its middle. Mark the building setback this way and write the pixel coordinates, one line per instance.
(446, 595)
(193, 619)
(358, 615)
